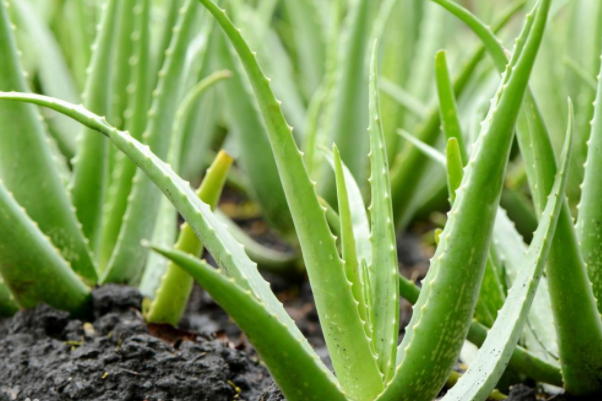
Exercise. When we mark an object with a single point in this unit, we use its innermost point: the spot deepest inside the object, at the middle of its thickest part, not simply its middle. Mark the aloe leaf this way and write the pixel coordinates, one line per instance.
(404, 98)
(124, 170)
(171, 10)
(359, 217)
(522, 360)
(491, 293)
(350, 96)
(31, 266)
(312, 131)
(580, 72)
(173, 293)
(310, 42)
(128, 258)
(26, 164)
(520, 210)
(90, 168)
(256, 157)
(8, 305)
(410, 165)
(228, 254)
(124, 47)
(165, 234)
(540, 336)
(454, 158)
(82, 37)
(267, 259)
(383, 266)
(588, 227)
(511, 248)
(490, 363)
(199, 128)
(349, 245)
(578, 323)
(435, 331)
(275, 62)
(398, 43)
(426, 149)
(297, 371)
(343, 330)
(55, 77)
(447, 104)
(585, 46)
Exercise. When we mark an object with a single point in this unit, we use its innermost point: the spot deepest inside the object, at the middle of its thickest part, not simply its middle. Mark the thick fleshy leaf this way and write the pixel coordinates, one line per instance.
(491, 361)
(436, 333)
(31, 266)
(26, 164)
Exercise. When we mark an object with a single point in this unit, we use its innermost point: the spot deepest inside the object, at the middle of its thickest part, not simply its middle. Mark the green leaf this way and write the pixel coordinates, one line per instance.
(404, 98)
(298, 372)
(124, 170)
(410, 165)
(26, 164)
(309, 39)
(128, 258)
(349, 348)
(54, 74)
(436, 331)
(490, 363)
(509, 244)
(124, 47)
(8, 305)
(455, 166)
(578, 323)
(353, 264)
(256, 157)
(30, 264)
(228, 253)
(359, 215)
(267, 258)
(90, 168)
(383, 268)
(589, 222)
(447, 104)
(350, 97)
(172, 296)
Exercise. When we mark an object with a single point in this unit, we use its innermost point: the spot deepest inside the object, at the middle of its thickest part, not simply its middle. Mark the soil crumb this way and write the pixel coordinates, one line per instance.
(112, 356)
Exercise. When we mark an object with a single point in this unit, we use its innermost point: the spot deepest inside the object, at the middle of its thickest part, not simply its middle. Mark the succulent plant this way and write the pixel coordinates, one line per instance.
(484, 284)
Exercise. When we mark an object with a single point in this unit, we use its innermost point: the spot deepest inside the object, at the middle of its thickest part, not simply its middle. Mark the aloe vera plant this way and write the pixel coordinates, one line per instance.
(485, 285)
(357, 300)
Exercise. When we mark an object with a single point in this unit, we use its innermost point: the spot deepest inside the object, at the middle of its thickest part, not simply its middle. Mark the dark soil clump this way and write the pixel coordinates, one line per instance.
(50, 357)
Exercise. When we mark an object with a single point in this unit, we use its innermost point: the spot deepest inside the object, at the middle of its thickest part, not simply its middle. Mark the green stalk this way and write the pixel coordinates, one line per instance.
(173, 293)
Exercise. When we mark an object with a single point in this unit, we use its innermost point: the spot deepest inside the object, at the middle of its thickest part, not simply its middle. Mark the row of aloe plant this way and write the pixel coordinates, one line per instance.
(484, 285)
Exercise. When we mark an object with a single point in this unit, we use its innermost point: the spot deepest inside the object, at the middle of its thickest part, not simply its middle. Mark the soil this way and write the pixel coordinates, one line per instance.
(115, 356)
